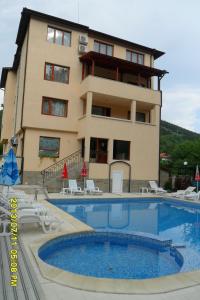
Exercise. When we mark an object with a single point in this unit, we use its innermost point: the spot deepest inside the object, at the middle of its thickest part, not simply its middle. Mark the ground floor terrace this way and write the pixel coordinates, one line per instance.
(186, 286)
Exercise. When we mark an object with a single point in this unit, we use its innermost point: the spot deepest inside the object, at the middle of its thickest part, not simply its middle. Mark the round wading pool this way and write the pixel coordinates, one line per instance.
(112, 255)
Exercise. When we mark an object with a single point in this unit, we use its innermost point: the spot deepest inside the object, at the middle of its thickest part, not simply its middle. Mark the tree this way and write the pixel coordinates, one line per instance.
(188, 151)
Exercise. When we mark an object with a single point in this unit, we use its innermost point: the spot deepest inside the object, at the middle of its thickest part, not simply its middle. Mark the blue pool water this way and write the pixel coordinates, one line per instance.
(166, 219)
(110, 255)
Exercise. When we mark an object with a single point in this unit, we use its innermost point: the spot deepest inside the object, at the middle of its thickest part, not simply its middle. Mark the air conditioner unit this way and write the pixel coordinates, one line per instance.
(82, 49)
(83, 39)
(14, 141)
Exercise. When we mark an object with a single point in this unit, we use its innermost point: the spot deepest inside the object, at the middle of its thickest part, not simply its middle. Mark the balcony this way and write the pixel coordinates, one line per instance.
(119, 90)
(103, 74)
(112, 128)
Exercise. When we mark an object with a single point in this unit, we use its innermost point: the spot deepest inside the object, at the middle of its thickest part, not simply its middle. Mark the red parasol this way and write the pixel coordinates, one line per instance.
(84, 170)
(197, 177)
(84, 173)
(64, 172)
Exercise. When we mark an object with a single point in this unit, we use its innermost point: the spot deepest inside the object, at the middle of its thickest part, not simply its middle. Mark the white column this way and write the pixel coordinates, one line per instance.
(133, 110)
(87, 149)
(157, 115)
(89, 104)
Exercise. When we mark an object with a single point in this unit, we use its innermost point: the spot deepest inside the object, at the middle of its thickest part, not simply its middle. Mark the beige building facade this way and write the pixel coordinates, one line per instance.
(74, 94)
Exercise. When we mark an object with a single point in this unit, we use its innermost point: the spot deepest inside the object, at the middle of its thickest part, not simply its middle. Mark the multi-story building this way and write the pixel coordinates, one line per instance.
(75, 94)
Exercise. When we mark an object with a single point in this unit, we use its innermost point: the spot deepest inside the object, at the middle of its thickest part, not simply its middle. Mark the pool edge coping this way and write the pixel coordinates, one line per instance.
(159, 285)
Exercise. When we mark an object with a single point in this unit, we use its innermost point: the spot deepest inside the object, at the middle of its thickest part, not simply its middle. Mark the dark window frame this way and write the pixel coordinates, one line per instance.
(107, 109)
(115, 154)
(50, 155)
(135, 53)
(147, 116)
(105, 44)
(54, 36)
(50, 99)
(97, 153)
(140, 113)
(52, 75)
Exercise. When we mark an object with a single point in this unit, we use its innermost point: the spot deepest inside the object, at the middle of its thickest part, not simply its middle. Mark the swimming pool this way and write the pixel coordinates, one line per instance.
(112, 255)
(166, 219)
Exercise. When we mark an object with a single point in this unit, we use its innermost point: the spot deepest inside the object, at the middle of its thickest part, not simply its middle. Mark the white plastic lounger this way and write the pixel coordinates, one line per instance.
(19, 199)
(73, 188)
(91, 188)
(20, 195)
(181, 193)
(4, 213)
(48, 223)
(10, 192)
(21, 204)
(27, 216)
(39, 211)
(155, 188)
(5, 228)
(193, 196)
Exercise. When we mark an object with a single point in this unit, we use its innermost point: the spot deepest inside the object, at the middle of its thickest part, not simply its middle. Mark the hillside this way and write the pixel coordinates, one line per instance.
(171, 135)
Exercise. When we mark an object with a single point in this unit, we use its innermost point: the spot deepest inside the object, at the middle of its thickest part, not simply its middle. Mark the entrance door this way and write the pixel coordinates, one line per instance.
(117, 182)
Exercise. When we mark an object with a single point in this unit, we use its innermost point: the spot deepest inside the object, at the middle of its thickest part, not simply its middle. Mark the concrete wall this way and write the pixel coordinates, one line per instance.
(7, 128)
(32, 161)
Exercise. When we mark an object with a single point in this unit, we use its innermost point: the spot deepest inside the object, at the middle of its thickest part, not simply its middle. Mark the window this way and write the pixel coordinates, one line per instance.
(135, 57)
(140, 117)
(101, 111)
(56, 73)
(121, 150)
(98, 150)
(59, 37)
(82, 148)
(103, 48)
(54, 107)
(49, 146)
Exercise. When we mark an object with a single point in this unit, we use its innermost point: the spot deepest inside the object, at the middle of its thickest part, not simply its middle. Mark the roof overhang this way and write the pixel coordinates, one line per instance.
(26, 15)
(4, 74)
(123, 65)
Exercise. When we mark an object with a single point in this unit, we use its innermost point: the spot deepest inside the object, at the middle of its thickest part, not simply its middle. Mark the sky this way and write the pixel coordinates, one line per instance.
(170, 26)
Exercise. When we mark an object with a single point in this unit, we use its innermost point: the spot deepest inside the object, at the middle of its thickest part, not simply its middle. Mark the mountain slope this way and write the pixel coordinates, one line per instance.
(171, 135)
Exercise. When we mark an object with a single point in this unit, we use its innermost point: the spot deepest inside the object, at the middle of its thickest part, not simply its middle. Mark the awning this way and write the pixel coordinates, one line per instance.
(122, 64)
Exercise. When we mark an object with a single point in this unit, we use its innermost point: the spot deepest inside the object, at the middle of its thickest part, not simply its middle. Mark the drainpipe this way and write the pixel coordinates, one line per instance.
(159, 79)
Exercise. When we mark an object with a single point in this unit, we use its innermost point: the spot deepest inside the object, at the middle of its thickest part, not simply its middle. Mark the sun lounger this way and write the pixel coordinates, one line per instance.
(91, 188)
(37, 207)
(193, 196)
(48, 223)
(73, 188)
(21, 204)
(182, 193)
(4, 228)
(11, 193)
(155, 188)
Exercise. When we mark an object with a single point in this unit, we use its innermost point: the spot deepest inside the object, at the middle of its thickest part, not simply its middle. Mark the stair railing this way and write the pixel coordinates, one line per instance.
(73, 161)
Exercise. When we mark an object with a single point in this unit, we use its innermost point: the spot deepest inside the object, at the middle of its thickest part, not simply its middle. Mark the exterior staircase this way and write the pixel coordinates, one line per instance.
(52, 175)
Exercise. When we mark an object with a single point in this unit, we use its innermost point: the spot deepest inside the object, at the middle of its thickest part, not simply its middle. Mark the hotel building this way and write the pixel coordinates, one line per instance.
(74, 94)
